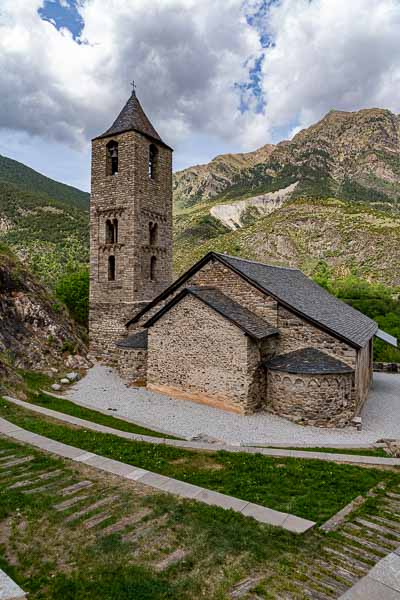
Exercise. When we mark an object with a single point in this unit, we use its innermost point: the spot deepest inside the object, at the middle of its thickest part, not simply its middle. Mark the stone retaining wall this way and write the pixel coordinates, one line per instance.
(380, 367)
(319, 400)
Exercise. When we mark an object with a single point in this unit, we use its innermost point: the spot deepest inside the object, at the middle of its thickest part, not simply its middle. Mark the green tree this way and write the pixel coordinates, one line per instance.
(73, 290)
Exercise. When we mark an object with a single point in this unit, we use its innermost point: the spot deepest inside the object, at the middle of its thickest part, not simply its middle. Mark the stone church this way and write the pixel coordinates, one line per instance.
(232, 333)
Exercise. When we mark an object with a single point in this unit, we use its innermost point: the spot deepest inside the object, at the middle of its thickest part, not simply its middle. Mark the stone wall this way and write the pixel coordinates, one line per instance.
(194, 350)
(319, 400)
(134, 200)
(131, 364)
(380, 367)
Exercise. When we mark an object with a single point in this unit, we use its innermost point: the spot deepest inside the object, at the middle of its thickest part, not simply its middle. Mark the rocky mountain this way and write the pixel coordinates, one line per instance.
(347, 155)
(35, 331)
(331, 194)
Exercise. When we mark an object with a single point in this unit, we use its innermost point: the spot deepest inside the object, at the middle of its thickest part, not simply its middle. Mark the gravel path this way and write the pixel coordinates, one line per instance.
(102, 388)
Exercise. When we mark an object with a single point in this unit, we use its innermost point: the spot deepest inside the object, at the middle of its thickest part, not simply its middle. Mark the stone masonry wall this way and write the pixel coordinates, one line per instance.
(135, 200)
(319, 400)
(131, 364)
(194, 350)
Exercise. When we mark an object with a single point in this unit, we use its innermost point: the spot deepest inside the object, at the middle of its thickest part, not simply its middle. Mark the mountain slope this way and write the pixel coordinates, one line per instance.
(346, 155)
(29, 180)
(35, 332)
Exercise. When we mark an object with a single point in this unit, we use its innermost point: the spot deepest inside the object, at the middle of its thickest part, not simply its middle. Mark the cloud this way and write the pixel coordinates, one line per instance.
(238, 73)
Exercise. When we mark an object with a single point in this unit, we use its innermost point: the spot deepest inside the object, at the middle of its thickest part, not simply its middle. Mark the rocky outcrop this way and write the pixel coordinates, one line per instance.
(36, 333)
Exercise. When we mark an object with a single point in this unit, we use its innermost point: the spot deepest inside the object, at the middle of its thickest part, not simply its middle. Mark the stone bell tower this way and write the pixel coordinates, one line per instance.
(130, 224)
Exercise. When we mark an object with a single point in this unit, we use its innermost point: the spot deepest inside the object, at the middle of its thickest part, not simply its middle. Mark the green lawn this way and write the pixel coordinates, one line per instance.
(70, 408)
(308, 488)
(352, 451)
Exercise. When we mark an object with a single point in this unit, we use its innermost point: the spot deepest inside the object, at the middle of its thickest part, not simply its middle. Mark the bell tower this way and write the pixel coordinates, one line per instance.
(130, 224)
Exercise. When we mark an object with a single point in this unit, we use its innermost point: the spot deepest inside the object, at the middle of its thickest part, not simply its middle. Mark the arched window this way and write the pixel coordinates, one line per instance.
(109, 232)
(112, 158)
(111, 268)
(152, 161)
(115, 227)
(153, 233)
(153, 267)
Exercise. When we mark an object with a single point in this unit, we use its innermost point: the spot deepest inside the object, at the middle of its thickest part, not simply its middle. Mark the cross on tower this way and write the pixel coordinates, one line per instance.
(133, 84)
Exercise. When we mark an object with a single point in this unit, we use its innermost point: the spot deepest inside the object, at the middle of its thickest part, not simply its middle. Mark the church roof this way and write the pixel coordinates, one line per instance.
(307, 361)
(293, 290)
(253, 325)
(133, 118)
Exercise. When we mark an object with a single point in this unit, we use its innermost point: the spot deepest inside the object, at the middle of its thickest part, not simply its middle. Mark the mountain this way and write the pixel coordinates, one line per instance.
(27, 179)
(42, 219)
(35, 331)
(331, 195)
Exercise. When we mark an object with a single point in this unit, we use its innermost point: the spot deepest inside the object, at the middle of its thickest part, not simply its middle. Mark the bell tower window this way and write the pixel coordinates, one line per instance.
(112, 231)
(153, 268)
(111, 268)
(153, 234)
(152, 161)
(112, 158)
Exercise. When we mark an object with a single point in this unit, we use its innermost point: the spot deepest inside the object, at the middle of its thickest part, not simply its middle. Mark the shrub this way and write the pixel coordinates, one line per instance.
(73, 290)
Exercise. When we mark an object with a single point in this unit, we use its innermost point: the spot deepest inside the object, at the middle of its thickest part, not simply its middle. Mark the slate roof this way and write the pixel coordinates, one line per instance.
(293, 288)
(132, 118)
(136, 340)
(307, 361)
(253, 325)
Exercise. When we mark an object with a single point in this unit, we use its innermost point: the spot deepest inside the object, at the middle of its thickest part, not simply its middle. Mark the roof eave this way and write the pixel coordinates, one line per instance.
(146, 135)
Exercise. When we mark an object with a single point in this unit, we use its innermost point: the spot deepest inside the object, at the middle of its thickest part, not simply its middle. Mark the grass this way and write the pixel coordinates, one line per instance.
(352, 451)
(308, 488)
(36, 381)
(50, 559)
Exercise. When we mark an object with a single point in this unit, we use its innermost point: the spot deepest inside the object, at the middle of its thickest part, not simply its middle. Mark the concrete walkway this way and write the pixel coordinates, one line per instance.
(382, 582)
(103, 389)
(327, 456)
(160, 482)
(9, 590)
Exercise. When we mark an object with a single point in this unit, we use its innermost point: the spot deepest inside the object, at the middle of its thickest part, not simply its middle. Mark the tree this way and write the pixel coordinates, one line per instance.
(73, 290)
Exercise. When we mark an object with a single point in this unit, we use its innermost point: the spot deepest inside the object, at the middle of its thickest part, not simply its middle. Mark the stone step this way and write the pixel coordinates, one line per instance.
(394, 525)
(16, 461)
(366, 534)
(327, 583)
(381, 529)
(76, 487)
(244, 587)
(68, 503)
(345, 574)
(7, 457)
(89, 509)
(357, 563)
(310, 594)
(363, 554)
(174, 558)
(125, 523)
(27, 482)
(96, 520)
(41, 489)
(376, 549)
(393, 495)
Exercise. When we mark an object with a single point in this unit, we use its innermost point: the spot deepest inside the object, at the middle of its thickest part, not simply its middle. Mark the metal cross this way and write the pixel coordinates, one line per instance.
(133, 84)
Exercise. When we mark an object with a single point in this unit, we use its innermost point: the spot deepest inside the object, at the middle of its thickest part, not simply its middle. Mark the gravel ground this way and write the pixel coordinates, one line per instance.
(102, 388)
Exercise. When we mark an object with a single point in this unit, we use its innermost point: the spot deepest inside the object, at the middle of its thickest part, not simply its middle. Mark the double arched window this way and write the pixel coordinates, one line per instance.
(153, 152)
(112, 231)
(112, 158)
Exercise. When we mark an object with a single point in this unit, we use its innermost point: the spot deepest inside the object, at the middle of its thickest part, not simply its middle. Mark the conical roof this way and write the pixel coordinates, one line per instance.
(132, 118)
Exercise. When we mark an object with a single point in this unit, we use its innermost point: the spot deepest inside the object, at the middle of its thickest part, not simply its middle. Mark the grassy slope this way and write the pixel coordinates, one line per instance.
(29, 180)
(308, 488)
(348, 236)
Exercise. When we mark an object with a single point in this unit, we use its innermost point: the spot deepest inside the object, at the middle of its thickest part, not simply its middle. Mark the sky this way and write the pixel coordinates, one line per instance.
(214, 76)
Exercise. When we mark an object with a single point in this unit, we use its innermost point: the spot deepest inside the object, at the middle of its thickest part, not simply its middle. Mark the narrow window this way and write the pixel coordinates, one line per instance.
(153, 266)
(112, 158)
(153, 233)
(152, 161)
(115, 229)
(111, 268)
(110, 236)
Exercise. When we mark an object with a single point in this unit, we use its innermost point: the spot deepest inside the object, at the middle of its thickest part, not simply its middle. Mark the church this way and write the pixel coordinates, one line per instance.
(232, 333)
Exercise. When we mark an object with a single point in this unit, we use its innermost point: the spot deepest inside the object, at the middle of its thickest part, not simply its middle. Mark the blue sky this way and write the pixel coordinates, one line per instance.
(213, 76)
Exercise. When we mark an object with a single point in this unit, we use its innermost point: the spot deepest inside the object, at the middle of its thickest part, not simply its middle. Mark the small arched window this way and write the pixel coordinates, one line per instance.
(112, 158)
(152, 161)
(115, 227)
(111, 268)
(153, 268)
(153, 233)
(109, 232)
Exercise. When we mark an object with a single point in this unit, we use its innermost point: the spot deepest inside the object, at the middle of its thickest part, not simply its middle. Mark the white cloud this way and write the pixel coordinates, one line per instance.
(186, 57)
